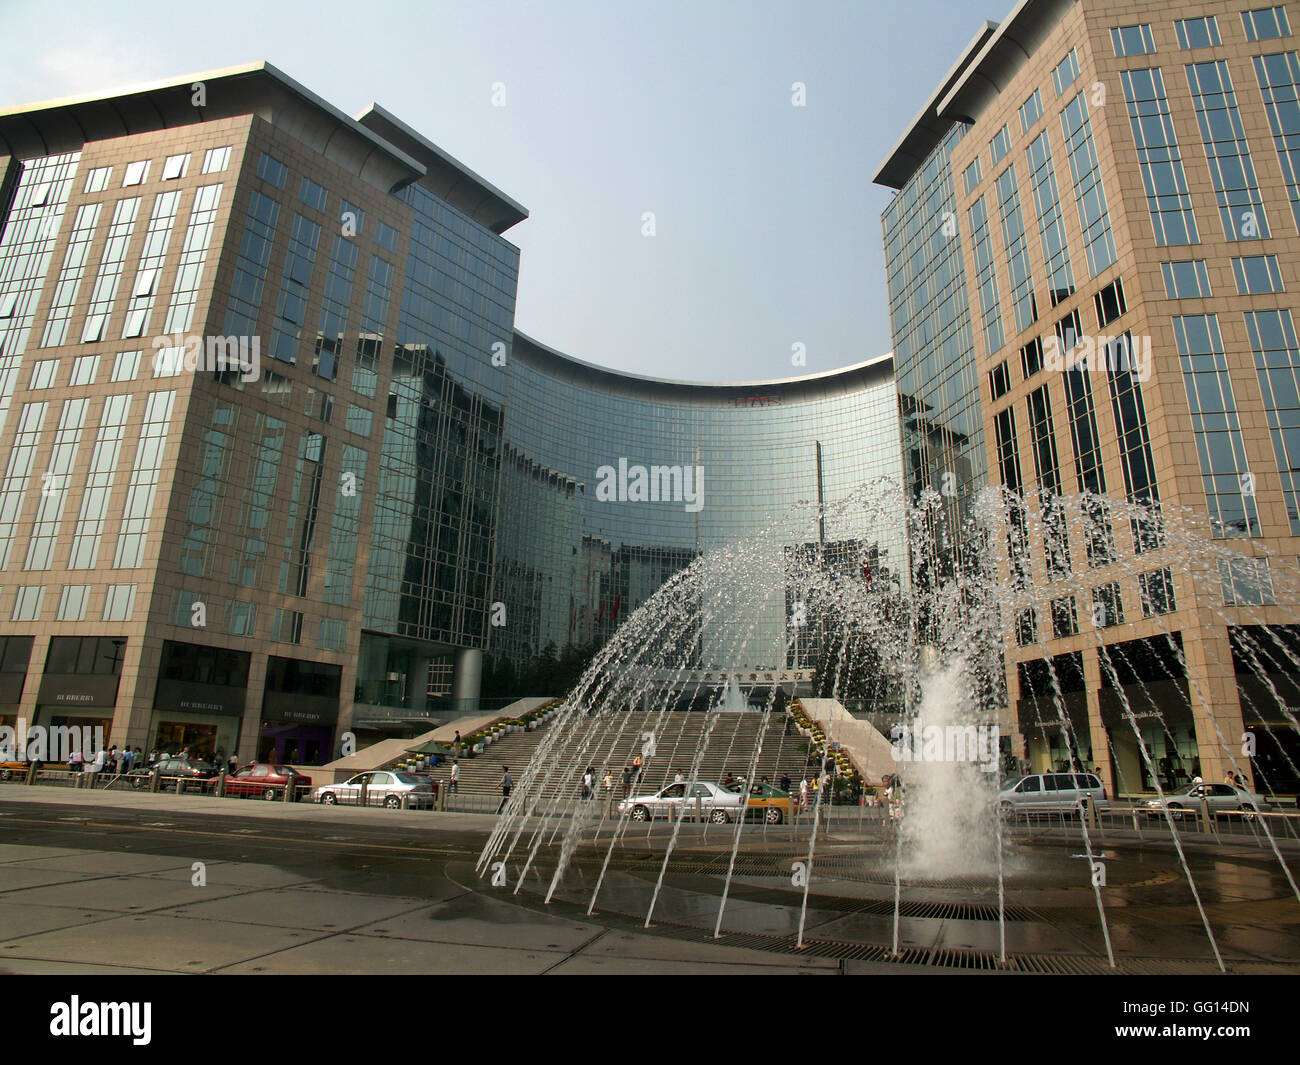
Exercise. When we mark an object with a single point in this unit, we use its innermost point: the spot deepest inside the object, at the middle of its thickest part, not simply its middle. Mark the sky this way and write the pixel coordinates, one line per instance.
(608, 120)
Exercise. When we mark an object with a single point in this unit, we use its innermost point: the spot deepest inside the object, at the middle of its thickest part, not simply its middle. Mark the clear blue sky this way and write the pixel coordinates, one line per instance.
(767, 224)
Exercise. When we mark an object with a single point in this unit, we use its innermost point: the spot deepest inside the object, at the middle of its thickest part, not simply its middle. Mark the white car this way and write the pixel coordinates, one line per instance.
(718, 804)
(1218, 798)
(384, 787)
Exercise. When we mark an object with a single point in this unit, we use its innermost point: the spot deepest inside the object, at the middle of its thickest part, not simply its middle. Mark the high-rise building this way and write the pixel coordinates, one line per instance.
(1093, 254)
(273, 460)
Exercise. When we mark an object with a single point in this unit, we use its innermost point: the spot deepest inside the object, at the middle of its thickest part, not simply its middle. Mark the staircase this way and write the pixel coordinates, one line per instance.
(612, 741)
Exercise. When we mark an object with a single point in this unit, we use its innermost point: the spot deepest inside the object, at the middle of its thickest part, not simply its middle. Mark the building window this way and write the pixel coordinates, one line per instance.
(271, 170)
(1246, 582)
(97, 179)
(84, 368)
(1266, 23)
(1066, 72)
(971, 175)
(1241, 205)
(1013, 237)
(1107, 606)
(1168, 198)
(1090, 196)
(175, 166)
(136, 174)
(72, 602)
(1065, 618)
(1000, 145)
(1257, 275)
(1027, 627)
(44, 374)
(1000, 380)
(125, 365)
(215, 160)
(1031, 111)
(1047, 202)
(119, 602)
(1110, 303)
(1132, 40)
(986, 277)
(1157, 593)
(386, 236)
(27, 603)
(1031, 358)
(1198, 32)
(1186, 280)
(1277, 364)
(312, 195)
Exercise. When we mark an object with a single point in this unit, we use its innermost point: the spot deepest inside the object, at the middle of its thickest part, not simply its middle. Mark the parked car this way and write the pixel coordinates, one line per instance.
(1053, 791)
(193, 771)
(769, 803)
(13, 768)
(266, 781)
(384, 787)
(717, 803)
(1219, 798)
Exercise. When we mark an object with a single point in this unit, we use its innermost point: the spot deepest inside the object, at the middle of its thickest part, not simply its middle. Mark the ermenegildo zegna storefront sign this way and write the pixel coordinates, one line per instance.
(188, 697)
(77, 689)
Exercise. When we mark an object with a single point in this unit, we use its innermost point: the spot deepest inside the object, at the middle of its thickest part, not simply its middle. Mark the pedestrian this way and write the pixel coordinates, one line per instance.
(506, 785)
(637, 766)
(608, 783)
(455, 745)
(627, 781)
(588, 779)
(679, 779)
(803, 793)
(77, 761)
(455, 776)
(785, 783)
(101, 759)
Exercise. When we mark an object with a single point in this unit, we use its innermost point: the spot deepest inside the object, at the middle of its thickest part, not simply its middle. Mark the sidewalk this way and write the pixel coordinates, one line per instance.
(169, 802)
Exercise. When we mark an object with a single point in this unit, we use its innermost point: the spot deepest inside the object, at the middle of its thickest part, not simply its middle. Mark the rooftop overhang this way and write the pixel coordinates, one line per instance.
(1001, 58)
(444, 176)
(879, 370)
(928, 129)
(378, 148)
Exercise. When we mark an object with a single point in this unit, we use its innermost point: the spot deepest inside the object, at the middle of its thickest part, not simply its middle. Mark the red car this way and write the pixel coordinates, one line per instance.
(267, 781)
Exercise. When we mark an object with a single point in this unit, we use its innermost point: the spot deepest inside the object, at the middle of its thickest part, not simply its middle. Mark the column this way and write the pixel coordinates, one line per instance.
(466, 679)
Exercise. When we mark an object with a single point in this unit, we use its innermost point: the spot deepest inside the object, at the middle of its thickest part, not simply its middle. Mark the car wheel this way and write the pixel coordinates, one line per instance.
(719, 817)
(1006, 809)
(392, 802)
(640, 813)
(1175, 806)
(137, 783)
(6, 774)
(1248, 807)
(329, 799)
(268, 794)
(773, 815)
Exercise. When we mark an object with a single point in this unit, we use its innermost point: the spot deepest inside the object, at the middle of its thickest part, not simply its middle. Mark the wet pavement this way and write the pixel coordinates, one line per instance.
(302, 889)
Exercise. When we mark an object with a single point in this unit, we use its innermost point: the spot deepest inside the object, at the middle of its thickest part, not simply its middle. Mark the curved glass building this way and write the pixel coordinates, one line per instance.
(612, 482)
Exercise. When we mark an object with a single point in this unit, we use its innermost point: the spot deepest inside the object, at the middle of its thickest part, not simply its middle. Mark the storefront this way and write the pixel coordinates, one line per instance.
(300, 711)
(15, 656)
(199, 700)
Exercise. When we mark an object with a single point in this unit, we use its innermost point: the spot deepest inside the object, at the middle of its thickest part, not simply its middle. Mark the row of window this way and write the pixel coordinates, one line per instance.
(74, 602)
(1261, 24)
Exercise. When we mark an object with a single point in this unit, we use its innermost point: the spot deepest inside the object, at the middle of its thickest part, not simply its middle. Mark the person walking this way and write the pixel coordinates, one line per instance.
(803, 794)
(678, 778)
(455, 745)
(627, 781)
(506, 785)
(455, 777)
(608, 784)
(588, 779)
(785, 783)
(637, 766)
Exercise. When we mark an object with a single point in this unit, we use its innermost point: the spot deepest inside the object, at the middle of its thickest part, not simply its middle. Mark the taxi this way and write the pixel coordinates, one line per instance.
(768, 802)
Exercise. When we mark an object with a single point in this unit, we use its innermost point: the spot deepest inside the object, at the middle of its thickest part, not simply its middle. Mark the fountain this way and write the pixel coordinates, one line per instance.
(922, 646)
